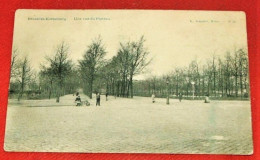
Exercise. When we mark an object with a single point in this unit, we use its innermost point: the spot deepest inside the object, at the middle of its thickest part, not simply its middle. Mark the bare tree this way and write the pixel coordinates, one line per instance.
(24, 74)
(92, 60)
(123, 62)
(60, 66)
(131, 59)
(14, 63)
(47, 79)
(243, 69)
(139, 60)
(235, 70)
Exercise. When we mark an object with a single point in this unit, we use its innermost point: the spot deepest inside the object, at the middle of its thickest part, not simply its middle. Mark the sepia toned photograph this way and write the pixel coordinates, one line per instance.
(129, 81)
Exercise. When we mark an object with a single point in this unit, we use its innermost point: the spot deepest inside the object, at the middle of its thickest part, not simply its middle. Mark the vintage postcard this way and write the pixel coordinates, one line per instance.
(129, 81)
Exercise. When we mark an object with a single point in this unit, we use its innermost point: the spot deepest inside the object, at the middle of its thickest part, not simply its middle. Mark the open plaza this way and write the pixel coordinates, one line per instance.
(122, 125)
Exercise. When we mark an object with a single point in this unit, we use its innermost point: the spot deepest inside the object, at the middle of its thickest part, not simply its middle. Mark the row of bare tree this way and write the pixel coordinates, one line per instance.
(21, 75)
(219, 77)
(225, 77)
(57, 76)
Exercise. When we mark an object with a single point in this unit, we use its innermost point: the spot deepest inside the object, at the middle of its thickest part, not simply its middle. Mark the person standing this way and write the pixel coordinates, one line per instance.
(153, 97)
(106, 95)
(78, 101)
(180, 96)
(98, 99)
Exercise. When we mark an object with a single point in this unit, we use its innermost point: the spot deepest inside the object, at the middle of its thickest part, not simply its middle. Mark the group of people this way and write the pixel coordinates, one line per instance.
(79, 102)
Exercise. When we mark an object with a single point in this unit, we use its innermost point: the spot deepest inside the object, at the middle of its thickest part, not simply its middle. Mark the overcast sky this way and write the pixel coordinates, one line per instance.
(173, 38)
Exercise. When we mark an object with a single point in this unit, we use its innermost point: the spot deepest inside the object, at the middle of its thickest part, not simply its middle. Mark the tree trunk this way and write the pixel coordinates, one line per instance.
(203, 86)
(50, 91)
(131, 86)
(127, 91)
(22, 84)
(241, 84)
(21, 92)
(91, 86)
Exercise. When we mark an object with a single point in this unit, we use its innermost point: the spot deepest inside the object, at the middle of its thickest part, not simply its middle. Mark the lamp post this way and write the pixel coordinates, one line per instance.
(193, 88)
(167, 85)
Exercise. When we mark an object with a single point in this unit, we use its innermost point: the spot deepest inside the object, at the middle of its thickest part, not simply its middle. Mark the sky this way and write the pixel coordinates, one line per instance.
(173, 38)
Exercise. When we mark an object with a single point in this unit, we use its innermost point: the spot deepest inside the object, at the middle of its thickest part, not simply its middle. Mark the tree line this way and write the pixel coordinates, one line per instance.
(220, 77)
(54, 79)
(58, 75)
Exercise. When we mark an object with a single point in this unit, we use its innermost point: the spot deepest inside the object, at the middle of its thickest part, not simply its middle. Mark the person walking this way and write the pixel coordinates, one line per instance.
(98, 99)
